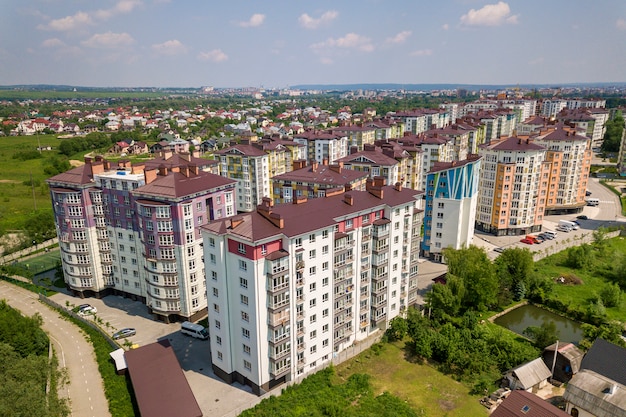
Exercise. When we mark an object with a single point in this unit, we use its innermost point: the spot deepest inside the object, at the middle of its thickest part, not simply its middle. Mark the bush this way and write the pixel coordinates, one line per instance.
(611, 295)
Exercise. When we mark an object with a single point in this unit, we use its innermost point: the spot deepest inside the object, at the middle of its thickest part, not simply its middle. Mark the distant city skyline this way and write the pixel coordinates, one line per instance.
(162, 43)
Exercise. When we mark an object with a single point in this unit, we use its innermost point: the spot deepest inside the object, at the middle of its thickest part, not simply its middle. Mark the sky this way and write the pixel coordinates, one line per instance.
(282, 43)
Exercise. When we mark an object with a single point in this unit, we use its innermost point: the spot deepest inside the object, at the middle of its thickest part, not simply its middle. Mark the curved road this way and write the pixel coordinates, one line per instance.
(85, 388)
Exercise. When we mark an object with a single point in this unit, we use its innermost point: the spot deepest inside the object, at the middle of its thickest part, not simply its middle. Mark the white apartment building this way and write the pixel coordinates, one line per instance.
(323, 146)
(285, 295)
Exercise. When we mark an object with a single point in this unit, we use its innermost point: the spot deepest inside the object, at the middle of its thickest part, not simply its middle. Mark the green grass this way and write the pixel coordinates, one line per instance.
(593, 278)
(17, 199)
(42, 262)
(425, 389)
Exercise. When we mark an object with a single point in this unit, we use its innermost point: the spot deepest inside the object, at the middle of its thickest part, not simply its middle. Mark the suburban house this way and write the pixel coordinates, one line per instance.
(525, 404)
(567, 362)
(599, 389)
(530, 376)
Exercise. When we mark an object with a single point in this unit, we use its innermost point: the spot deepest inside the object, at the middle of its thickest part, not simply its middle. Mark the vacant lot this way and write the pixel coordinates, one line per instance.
(17, 196)
(426, 390)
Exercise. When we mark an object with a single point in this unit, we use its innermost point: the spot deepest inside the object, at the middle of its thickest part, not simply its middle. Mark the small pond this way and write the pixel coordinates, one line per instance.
(529, 315)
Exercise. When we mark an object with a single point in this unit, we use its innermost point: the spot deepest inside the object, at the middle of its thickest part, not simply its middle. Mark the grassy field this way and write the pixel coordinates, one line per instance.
(426, 390)
(16, 197)
(593, 278)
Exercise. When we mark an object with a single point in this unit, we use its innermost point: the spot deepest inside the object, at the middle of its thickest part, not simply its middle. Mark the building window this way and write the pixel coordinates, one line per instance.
(312, 286)
(324, 234)
(325, 266)
(325, 328)
(218, 340)
(219, 355)
(325, 313)
(245, 333)
(241, 248)
(245, 316)
(298, 242)
(325, 250)
(313, 318)
(349, 224)
(311, 238)
(324, 282)
(243, 265)
(214, 275)
(247, 365)
(244, 299)
(211, 242)
(312, 254)
(215, 292)
(313, 334)
(218, 324)
(216, 308)
(324, 297)
(246, 349)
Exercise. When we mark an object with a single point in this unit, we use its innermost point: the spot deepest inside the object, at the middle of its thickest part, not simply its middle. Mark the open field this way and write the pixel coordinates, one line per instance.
(17, 198)
(593, 278)
(426, 390)
(43, 262)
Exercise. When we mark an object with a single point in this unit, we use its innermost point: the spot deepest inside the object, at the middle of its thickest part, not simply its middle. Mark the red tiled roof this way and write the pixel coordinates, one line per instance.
(521, 403)
(318, 212)
(515, 144)
(78, 176)
(176, 185)
(322, 174)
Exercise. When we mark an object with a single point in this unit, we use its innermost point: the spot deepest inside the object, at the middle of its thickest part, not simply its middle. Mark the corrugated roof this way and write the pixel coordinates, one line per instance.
(591, 391)
(521, 403)
(606, 359)
(160, 386)
(176, 185)
(532, 373)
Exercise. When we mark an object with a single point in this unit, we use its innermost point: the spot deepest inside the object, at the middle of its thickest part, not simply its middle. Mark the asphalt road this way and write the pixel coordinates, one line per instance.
(85, 388)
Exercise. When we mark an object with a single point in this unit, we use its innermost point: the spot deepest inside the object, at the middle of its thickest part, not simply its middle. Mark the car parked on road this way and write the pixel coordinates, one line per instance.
(582, 217)
(499, 250)
(527, 241)
(124, 333)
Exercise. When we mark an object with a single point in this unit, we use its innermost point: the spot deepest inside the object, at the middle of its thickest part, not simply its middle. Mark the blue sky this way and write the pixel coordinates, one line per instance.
(279, 43)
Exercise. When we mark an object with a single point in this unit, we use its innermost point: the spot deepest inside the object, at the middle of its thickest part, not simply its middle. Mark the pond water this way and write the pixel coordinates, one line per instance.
(529, 315)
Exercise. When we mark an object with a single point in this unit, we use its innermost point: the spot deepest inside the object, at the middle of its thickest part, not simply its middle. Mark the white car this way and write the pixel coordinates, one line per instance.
(85, 309)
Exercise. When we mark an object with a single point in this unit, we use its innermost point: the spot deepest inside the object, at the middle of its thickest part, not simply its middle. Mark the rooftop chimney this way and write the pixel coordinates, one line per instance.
(150, 175)
(235, 221)
(347, 198)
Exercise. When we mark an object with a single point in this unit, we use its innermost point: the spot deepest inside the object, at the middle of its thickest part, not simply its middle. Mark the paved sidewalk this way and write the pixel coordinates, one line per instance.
(85, 388)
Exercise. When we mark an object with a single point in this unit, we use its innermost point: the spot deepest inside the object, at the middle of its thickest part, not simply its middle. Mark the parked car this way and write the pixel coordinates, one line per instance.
(85, 309)
(124, 333)
(527, 241)
(587, 193)
(582, 217)
(539, 239)
(499, 250)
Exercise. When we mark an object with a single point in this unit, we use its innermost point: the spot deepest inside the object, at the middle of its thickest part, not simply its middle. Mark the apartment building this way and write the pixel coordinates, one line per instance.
(590, 120)
(358, 135)
(378, 162)
(513, 187)
(132, 230)
(387, 128)
(291, 285)
(249, 165)
(316, 180)
(498, 123)
(420, 120)
(451, 196)
(569, 151)
(323, 145)
(434, 148)
(550, 108)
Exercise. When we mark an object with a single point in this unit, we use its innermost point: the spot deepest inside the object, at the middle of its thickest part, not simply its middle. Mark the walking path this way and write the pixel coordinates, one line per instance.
(85, 389)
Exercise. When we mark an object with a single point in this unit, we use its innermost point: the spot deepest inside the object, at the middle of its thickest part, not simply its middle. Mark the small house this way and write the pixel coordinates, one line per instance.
(567, 362)
(530, 376)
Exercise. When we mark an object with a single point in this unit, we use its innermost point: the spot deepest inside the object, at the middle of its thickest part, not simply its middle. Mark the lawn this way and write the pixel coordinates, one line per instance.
(593, 278)
(17, 197)
(426, 390)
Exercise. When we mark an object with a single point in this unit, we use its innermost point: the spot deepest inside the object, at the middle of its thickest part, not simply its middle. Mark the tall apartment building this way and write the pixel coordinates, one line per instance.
(291, 285)
(513, 187)
(133, 230)
(570, 154)
(378, 162)
(249, 165)
(451, 196)
(358, 135)
(323, 145)
(315, 180)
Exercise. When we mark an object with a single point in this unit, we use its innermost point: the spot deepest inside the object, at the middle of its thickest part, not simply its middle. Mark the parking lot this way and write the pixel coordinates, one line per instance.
(215, 397)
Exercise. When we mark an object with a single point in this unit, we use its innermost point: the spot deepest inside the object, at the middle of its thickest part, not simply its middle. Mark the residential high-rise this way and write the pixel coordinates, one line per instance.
(132, 230)
(291, 285)
(451, 196)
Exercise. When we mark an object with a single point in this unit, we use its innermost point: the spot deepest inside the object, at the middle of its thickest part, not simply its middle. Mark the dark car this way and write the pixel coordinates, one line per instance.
(124, 333)
(587, 193)
(499, 250)
(582, 217)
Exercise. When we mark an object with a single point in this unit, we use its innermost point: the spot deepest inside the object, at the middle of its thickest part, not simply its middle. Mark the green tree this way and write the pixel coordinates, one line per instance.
(543, 336)
(398, 328)
(444, 300)
(579, 257)
(611, 295)
(475, 269)
(513, 267)
(613, 134)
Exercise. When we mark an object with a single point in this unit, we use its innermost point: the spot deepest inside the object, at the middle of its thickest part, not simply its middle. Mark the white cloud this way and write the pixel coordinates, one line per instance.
(422, 52)
(172, 47)
(255, 20)
(121, 7)
(216, 55)
(68, 23)
(109, 40)
(312, 23)
(350, 41)
(53, 43)
(400, 37)
(445, 26)
(621, 24)
(489, 15)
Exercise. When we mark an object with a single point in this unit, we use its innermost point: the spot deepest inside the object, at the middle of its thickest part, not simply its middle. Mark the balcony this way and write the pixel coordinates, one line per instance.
(378, 303)
(299, 265)
(379, 318)
(279, 306)
(301, 347)
(278, 288)
(379, 290)
(278, 319)
(277, 373)
(276, 356)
